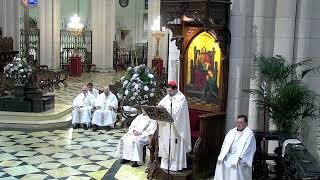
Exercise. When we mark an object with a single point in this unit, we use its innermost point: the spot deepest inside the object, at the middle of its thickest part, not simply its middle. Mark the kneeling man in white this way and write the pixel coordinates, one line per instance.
(235, 159)
(106, 107)
(130, 147)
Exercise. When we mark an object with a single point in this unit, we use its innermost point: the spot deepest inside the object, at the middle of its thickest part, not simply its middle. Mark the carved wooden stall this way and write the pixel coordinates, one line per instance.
(200, 28)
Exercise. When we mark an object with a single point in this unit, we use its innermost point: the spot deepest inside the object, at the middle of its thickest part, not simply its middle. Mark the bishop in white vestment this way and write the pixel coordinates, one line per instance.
(236, 155)
(106, 105)
(82, 106)
(180, 130)
(130, 146)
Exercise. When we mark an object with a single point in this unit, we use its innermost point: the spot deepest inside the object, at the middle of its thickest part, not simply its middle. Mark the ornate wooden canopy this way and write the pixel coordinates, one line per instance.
(189, 18)
(208, 13)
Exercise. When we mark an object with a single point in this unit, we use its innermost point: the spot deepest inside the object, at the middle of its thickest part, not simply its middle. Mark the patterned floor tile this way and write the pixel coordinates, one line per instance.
(19, 136)
(94, 144)
(78, 178)
(10, 133)
(25, 153)
(89, 168)
(97, 174)
(50, 150)
(11, 163)
(7, 156)
(52, 138)
(8, 178)
(15, 148)
(86, 152)
(107, 163)
(63, 172)
(127, 172)
(99, 157)
(40, 133)
(39, 145)
(62, 155)
(7, 143)
(4, 138)
(34, 177)
(75, 161)
(60, 142)
(29, 140)
(108, 148)
(20, 170)
(37, 159)
(49, 165)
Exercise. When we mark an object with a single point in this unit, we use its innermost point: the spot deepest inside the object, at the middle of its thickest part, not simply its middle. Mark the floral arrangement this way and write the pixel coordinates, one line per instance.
(19, 71)
(138, 86)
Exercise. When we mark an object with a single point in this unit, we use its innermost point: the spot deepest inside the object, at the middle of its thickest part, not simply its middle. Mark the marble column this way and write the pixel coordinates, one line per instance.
(9, 21)
(49, 25)
(103, 33)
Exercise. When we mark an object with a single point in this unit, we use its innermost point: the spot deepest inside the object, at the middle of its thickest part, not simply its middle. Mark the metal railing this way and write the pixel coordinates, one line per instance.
(34, 43)
(69, 43)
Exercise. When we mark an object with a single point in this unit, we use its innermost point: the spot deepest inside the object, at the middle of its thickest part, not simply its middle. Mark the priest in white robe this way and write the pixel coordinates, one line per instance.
(236, 155)
(106, 109)
(82, 106)
(93, 91)
(130, 146)
(180, 130)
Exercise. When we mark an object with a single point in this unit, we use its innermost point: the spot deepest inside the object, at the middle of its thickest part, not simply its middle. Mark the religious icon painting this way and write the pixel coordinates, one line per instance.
(124, 3)
(204, 70)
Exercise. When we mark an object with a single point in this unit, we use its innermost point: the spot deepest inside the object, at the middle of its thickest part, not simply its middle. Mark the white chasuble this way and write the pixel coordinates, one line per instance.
(95, 94)
(236, 156)
(180, 133)
(106, 114)
(82, 106)
(130, 146)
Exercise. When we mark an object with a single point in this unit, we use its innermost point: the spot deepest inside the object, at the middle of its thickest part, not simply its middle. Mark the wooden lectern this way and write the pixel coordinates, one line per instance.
(75, 66)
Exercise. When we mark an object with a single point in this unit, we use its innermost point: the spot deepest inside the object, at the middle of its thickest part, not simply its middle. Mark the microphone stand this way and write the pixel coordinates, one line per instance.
(168, 170)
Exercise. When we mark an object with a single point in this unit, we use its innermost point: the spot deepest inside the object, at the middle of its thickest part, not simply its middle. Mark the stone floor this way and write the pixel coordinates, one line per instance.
(66, 153)
(63, 154)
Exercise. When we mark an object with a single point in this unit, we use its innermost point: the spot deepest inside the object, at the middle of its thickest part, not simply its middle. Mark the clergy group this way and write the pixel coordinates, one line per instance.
(100, 110)
(93, 109)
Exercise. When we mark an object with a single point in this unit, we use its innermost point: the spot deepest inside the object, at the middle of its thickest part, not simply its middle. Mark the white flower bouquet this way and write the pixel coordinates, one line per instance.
(138, 86)
(19, 71)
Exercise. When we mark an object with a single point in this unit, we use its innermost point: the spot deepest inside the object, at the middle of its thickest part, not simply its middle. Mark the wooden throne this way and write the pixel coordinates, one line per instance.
(200, 29)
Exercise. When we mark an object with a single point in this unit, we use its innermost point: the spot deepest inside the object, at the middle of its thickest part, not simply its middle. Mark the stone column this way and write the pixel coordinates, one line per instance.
(306, 46)
(173, 61)
(237, 57)
(153, 13)
(49, 25)
(262, 30)
(284, 28)
(103, 33)
(9, 21)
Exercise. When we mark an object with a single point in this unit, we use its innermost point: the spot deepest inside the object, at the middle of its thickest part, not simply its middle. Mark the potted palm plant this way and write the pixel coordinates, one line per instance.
(289, 102)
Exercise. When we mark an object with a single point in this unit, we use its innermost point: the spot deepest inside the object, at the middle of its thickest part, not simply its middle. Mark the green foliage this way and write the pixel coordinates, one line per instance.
(290, 102)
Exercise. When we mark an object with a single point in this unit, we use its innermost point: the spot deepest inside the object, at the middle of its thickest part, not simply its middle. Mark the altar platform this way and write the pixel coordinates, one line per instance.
(60, 115)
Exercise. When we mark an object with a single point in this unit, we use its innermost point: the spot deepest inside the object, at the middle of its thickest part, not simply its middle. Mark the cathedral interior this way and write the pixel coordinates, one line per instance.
(225, 57)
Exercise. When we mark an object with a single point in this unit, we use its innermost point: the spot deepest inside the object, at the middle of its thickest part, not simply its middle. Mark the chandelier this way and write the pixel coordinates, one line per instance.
(75, 26)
